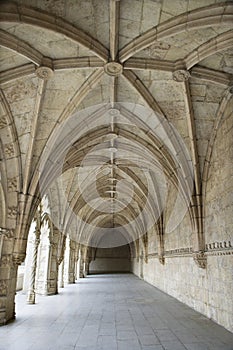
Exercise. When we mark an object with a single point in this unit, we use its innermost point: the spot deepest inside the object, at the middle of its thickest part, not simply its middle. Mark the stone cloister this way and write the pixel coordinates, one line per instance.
(116, 147)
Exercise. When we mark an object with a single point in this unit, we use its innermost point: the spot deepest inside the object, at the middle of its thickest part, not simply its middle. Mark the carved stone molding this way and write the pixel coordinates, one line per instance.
(178, 252)
(200, 259)
(113, 69)
(44, 72)
(219, 248)
(181, 75)
(218, 245)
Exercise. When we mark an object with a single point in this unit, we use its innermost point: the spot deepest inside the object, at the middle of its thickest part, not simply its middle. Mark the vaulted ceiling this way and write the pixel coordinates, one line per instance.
(107, 105)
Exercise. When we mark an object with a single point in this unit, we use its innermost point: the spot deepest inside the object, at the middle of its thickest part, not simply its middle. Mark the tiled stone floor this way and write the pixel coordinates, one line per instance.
(111, 312)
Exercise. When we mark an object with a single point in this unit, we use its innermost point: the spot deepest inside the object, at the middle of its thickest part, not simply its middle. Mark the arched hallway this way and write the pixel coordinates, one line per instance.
(111, 312)
(116, 153)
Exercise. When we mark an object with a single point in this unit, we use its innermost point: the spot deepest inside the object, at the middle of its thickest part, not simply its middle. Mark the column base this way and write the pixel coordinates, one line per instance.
(31, 299)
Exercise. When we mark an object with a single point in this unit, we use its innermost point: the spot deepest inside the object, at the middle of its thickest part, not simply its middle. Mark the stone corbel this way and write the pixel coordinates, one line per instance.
(200, 259)
(162, 259)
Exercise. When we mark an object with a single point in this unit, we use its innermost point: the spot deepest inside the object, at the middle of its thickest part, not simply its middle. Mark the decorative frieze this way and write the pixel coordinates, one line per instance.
(219, 248)
(219, 245)
(178, 251)
(215, 248)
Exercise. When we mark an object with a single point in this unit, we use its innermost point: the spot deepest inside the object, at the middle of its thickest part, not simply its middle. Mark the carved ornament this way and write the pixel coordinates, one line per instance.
(181, 75)
(113, 69)
(200, 259)
(44, 73)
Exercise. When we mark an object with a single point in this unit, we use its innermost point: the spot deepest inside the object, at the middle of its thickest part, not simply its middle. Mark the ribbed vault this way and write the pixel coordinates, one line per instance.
(107, 121)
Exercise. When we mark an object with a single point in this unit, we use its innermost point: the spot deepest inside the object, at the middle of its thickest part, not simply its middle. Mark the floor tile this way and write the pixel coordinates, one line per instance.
(110, 312)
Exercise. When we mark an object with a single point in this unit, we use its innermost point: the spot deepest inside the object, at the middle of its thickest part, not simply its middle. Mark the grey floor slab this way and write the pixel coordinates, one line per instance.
(110, 312)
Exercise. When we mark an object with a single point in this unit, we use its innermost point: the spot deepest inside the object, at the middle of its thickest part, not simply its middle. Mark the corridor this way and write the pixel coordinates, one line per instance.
(110, 312)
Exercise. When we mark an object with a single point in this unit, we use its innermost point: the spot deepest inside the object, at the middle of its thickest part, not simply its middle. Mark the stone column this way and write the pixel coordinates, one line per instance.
(31, 292)
(44, 262)
(81, 269)
(70, 261)
(86, 267)
(141, 265)
(81, 263)
(76, 257)
(52, 276)
(61, 274)
(8, 277)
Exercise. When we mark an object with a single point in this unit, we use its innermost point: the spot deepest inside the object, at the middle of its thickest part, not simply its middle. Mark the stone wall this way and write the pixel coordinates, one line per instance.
(206, 291)
(209, 290)
(111, 260)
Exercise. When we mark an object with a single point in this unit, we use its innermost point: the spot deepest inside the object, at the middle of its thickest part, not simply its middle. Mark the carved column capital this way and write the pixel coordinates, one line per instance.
(200, 259)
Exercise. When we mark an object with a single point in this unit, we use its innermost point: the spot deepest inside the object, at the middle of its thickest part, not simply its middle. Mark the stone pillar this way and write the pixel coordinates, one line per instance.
(52, 276)
(44, 262)
(81, 269)
(76, 257)
(61, 274)
(70, 261)
(31, 292)
(81, 263)
(141, 265)
(8, 278)
(86, 267)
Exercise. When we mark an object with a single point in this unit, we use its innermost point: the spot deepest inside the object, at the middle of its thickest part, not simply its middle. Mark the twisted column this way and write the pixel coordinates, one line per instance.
(31, 293)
